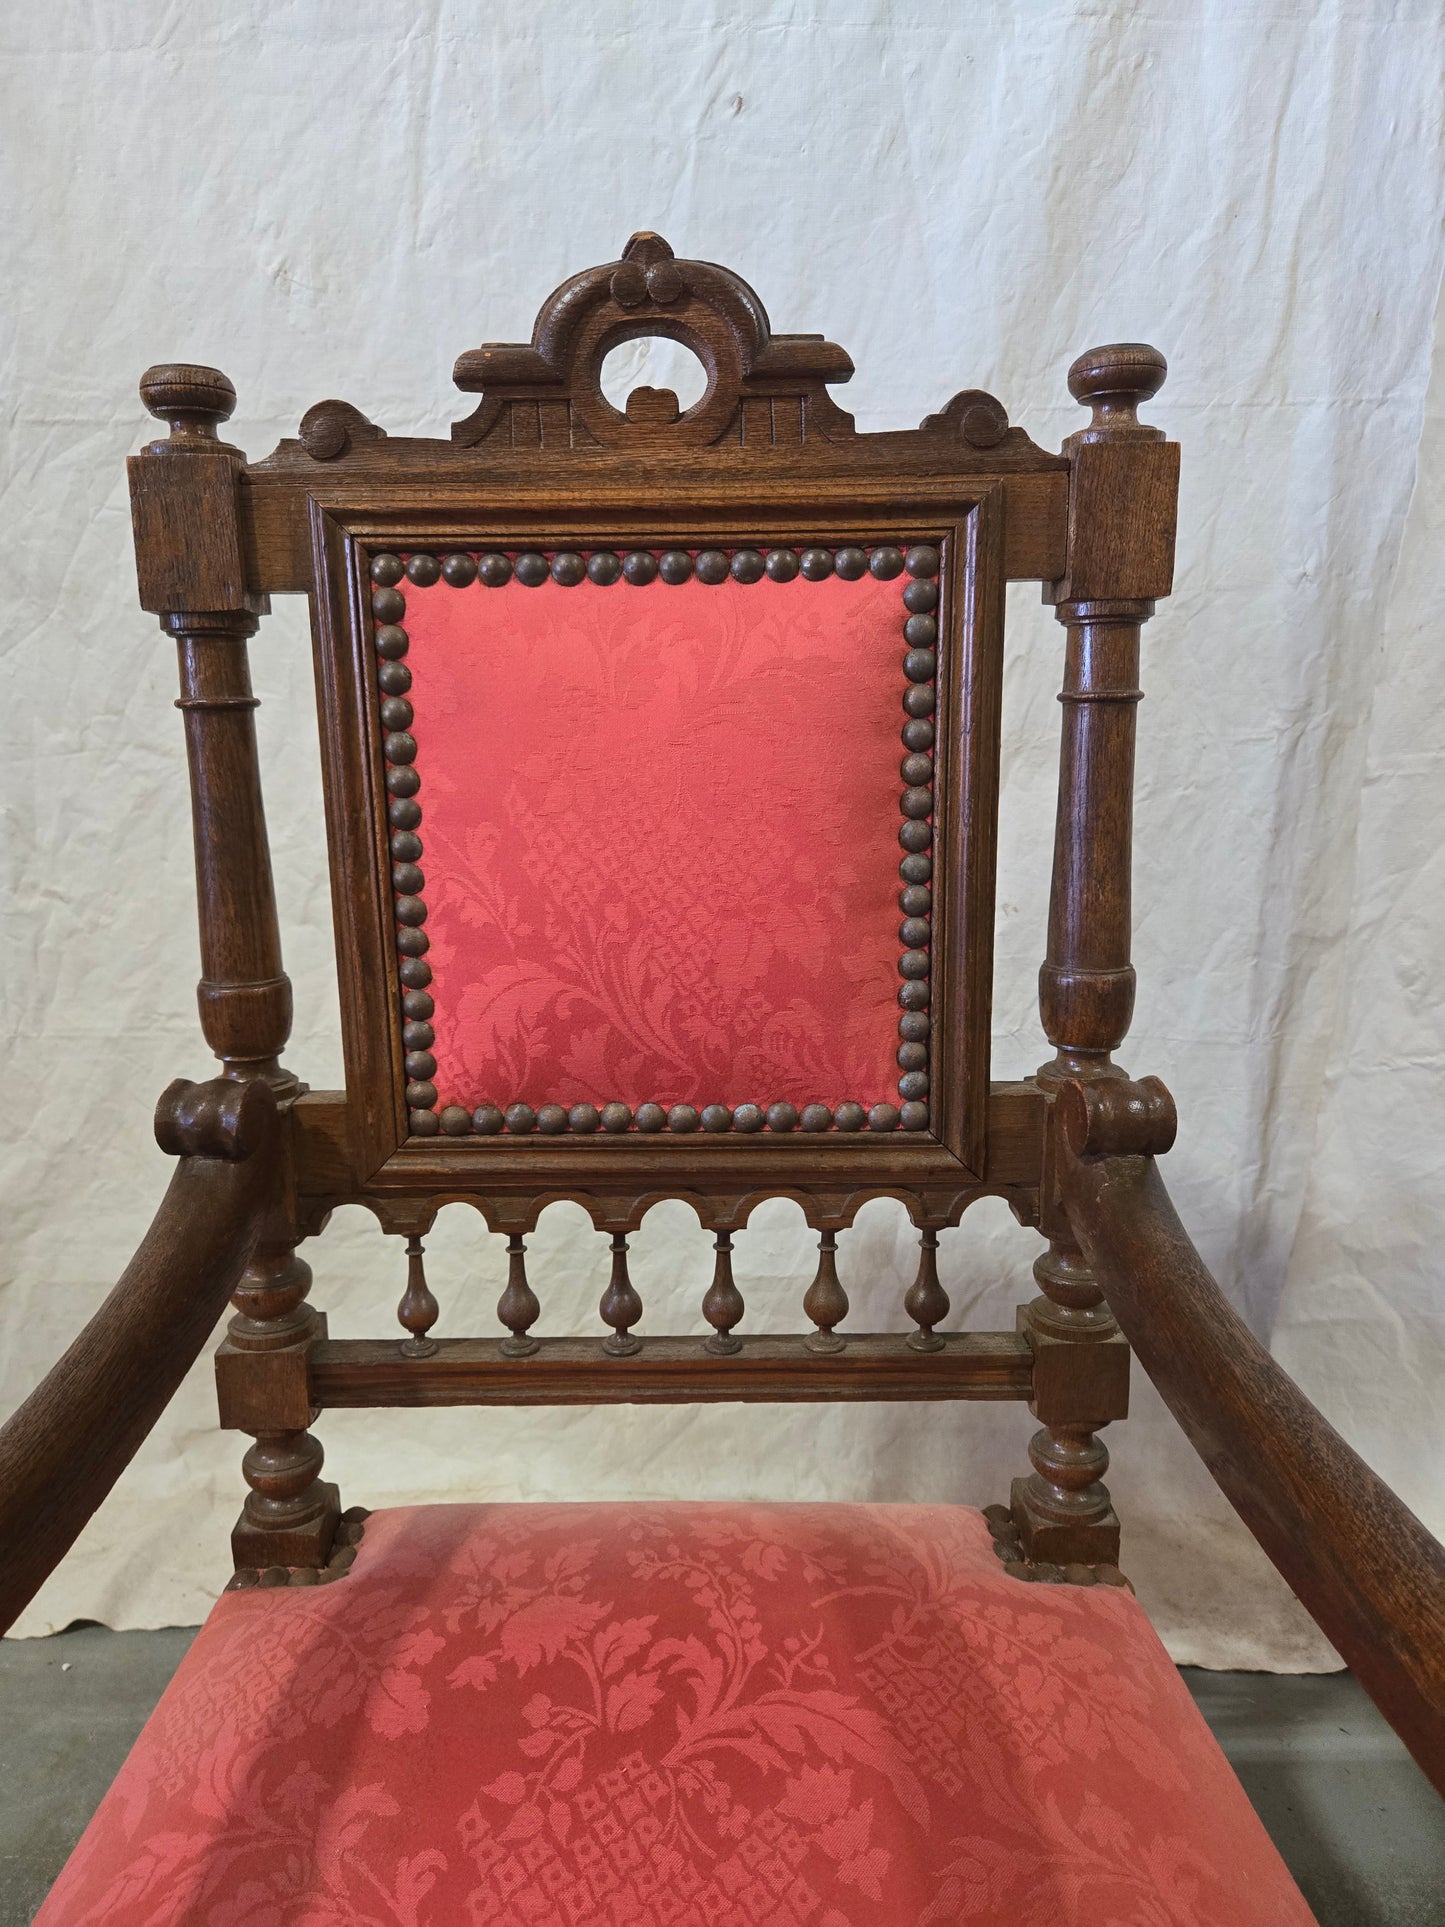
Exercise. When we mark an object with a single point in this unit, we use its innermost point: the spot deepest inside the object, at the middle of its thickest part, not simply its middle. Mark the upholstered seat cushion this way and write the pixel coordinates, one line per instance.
(744, 1716)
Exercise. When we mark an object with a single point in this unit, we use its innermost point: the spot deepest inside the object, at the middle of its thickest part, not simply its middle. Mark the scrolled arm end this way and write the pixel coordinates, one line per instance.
(223, 1118)
(1117, 1117)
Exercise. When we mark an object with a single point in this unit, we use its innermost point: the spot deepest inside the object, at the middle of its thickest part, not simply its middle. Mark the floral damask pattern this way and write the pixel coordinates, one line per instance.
(744, 1716)
(660, 831)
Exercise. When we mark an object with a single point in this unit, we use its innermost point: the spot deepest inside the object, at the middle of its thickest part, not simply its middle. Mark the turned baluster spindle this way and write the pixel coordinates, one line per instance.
(290, 1514)
(621, 1307)
(1069, 1464)
(283, 1471)
(418, 1310)
(723, 1305)
(925, 1301)
(1071, 1304)
(1081, 1382)
(517, 1308)
(825, 1300)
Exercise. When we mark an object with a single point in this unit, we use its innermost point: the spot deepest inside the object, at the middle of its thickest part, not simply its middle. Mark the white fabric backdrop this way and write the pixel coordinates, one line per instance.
(334, 199)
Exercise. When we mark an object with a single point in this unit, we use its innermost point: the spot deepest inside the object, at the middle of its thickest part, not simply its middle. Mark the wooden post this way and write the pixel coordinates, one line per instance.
(1123, 486)
(185, 505)
(189, 560)
(263, 1383)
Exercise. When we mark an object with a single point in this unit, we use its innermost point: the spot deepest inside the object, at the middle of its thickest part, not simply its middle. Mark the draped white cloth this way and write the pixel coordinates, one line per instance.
(335, 199)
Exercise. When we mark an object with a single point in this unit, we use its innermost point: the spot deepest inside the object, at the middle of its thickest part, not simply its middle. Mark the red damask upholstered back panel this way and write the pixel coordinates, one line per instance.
(658, 804)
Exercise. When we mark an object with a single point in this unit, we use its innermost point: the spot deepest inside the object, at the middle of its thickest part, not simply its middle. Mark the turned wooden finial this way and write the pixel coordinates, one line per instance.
(1113, 381)
(646, 246)
(192, 399)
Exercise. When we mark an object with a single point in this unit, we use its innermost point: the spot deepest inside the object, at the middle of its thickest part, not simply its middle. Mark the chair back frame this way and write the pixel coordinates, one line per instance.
(765, 461)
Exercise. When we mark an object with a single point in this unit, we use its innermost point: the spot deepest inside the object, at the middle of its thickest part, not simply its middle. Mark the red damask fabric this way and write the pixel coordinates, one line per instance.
(676, 1716)
(660, 831)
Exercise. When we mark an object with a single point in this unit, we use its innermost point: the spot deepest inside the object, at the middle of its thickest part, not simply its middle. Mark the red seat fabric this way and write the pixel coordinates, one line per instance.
(661, 840)
(744, 1716)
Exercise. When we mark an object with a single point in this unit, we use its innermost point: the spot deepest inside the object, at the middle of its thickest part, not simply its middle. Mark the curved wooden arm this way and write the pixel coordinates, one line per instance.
(64, 1449)
(1359, 1560)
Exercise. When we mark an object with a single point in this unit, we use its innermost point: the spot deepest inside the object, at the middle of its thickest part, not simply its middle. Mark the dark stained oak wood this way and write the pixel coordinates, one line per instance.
(766, 466)
(65, 1447)
(621, 1307)
(723, 1306)
(1122, 494)
(825, 1301)
(1358, 1559)
(511, 1182)
(1123, 485)
(670, 1371)
(518, 1308)
(291, 1513)
(185, 507)
(426, 486)
(418, 1310)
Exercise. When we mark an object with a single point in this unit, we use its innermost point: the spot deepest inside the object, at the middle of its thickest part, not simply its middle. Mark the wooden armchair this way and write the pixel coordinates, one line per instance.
(661, 763)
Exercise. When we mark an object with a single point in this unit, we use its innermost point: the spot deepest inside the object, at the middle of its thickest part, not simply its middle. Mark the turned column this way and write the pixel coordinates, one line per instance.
(190, 562)
(291, 1513)
(189, 559)
(1122, 490)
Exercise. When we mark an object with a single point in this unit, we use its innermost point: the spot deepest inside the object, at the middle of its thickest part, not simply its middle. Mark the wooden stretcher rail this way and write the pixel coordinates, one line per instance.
(1358, 1559)
(669, 1371)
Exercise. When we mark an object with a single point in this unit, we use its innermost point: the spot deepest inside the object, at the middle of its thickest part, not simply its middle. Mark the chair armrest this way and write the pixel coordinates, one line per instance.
(65, 1447)
(1358, 1559)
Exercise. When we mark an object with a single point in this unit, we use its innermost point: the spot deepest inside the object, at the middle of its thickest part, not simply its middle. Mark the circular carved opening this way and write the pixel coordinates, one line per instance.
(652, 361)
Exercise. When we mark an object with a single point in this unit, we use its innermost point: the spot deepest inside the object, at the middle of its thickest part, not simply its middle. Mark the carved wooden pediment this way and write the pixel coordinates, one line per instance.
(760, 386)
(764, 390)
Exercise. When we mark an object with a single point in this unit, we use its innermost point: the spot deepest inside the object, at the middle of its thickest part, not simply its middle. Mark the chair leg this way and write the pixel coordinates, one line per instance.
(291, 1513)
(1081, 1383)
